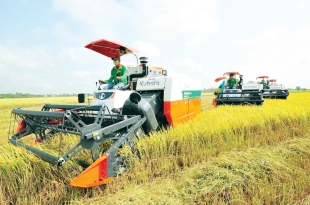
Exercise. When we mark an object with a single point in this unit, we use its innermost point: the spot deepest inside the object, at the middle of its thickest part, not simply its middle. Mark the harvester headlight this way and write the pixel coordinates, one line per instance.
(164, 72)
(122, 169)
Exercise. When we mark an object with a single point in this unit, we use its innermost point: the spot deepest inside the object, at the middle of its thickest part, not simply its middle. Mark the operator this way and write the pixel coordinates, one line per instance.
(231, 82)
(118, 76)
(264, 84)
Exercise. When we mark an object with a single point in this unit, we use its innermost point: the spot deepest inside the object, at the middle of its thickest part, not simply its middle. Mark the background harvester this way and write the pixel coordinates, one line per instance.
(275, 90)
(150, 101)
(240, 94)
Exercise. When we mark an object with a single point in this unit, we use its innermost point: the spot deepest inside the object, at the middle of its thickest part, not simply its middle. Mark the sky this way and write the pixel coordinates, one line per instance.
(42, 42)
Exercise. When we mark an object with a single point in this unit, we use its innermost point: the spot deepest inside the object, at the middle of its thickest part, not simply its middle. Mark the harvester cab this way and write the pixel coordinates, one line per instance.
(116, 117)
(276, 91)
(264, 80)
(234, 92)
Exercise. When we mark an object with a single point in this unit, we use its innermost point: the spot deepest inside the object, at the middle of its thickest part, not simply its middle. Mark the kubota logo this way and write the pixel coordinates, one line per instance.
(149, 83)
(101, 96)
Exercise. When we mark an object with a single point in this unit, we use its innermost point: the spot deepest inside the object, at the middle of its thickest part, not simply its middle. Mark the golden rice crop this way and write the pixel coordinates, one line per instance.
(222, 129)
(268, 175)
(170, 159)
(6, 105)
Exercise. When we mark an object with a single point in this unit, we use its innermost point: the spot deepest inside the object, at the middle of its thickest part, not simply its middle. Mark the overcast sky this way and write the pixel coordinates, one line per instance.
(42, 42)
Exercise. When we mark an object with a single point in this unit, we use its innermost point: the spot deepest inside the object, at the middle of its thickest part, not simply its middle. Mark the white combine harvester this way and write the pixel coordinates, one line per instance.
(272, 89)
(275, 91)
(248, 93)
(150, 101)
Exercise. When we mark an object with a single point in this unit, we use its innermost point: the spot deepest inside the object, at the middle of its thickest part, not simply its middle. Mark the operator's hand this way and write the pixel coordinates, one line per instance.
(101, 82)
(118, 78)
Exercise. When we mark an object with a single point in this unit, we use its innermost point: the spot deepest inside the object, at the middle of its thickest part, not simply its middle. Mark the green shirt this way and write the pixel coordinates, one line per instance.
(264, 84)
(118, 72)
(231, 82)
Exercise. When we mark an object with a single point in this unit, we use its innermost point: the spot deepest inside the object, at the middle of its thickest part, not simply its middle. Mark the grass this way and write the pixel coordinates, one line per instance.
(226, 155)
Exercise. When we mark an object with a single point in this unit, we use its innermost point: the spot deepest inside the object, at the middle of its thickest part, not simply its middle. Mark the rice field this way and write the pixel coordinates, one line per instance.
(226, 155)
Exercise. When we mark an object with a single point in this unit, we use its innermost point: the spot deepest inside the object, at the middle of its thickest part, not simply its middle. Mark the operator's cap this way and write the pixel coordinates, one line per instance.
(115, 57)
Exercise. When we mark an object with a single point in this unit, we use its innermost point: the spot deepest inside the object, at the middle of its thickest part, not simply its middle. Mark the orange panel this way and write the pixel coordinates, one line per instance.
(176, 111)
(194, 107)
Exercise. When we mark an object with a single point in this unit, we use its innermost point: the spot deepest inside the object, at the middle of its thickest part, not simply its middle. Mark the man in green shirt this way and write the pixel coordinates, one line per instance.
(264, 84)
(118, 76)
(231, 82)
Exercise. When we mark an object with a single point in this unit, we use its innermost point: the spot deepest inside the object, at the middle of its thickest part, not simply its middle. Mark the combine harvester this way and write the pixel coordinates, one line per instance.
(150, 101)
(275, 91)
(241, 94)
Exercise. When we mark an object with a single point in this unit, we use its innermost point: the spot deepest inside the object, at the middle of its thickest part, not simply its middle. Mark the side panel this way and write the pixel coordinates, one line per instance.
(173, 89)
(176, 111)
(175, 107)
(179, 111)
(182, 100)
(194, 107)
(194, 102)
